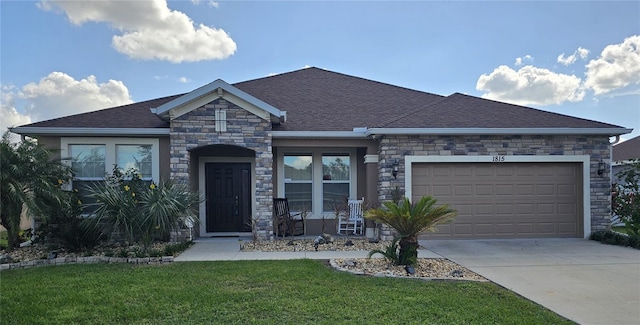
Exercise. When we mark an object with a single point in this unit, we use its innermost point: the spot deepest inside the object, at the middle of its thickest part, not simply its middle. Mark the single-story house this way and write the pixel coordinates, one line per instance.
(317, 137)
(623, 154)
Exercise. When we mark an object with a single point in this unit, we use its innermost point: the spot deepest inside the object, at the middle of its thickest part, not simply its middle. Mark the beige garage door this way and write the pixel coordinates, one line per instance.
(504, 200)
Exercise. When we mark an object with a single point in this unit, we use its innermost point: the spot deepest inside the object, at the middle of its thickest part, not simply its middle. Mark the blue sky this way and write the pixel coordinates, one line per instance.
(576, 58)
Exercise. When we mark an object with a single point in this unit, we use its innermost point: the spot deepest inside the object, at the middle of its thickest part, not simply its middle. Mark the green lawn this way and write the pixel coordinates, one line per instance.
(250, 292)
(620, 229)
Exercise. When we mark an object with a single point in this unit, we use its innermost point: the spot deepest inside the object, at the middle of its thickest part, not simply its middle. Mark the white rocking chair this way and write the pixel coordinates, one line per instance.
(354, 221)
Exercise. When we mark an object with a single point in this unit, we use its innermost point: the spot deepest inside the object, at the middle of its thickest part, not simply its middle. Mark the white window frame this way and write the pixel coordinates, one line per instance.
(324, 181)
(311, 181)
(316, 153)
(110, 150)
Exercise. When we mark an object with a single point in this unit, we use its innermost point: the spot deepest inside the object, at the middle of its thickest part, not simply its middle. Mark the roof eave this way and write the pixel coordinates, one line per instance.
(505, 131)
(318, 134)
(63, 131)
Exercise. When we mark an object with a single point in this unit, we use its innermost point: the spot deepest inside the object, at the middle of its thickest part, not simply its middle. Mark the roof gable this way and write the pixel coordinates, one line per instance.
(464, 111)
(219, 89)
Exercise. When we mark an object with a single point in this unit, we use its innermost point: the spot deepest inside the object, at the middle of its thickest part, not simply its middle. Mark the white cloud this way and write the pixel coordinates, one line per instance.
(617, 67)
(184, 80)
(9, 116)
(59, 94)
(150, 30)
(580, 52)
(210, 3)
(520, 60)
(530, 86)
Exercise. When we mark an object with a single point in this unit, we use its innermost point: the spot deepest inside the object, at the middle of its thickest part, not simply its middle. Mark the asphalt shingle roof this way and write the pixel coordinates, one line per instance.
(627, 150)
(321, 100)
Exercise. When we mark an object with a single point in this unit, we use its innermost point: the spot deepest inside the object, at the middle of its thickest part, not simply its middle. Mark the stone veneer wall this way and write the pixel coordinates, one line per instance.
(244, 129)
(395, 148)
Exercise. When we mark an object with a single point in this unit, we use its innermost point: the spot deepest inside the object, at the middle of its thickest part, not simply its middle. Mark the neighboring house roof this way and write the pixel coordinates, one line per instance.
(627, 150)
(317, 100)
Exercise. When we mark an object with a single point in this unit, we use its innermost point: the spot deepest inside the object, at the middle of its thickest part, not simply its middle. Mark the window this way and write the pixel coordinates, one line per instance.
(88, 164)
(135, 157)
(298, 181)
(92, 158)
(315, 179)
(336, 180)
(88, 161)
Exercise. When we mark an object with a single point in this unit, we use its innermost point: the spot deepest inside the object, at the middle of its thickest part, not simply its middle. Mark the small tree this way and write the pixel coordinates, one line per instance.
(626, 198)
(31, 178)
(409, 220)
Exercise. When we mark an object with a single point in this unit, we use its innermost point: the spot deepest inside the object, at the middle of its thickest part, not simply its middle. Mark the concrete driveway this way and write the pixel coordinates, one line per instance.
(582, 280)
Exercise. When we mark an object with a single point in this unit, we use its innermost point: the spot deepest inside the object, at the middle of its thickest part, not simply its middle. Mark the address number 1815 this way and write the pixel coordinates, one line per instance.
(498, 158)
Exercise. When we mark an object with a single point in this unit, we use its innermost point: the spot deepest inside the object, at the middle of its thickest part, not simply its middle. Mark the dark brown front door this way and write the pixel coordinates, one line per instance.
(228, 192)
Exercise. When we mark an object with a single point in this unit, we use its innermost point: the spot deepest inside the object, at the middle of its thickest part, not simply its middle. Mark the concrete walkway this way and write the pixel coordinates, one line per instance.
(228, 249)
(582, 280)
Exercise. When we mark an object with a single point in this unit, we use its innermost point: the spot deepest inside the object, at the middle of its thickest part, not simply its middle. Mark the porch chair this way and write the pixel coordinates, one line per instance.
(354, 221)
(286, 223)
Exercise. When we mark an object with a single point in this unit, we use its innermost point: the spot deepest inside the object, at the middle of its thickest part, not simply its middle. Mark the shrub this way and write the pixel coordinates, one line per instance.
(390, 253)
(614, 238)
(141, 210)
(409, 220)
(626, 198)
(67, 227)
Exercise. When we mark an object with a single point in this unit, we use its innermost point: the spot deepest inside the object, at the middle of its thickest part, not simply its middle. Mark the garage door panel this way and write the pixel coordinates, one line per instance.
(546, 228)
(484, 229)
(567, 228)
(484, 171)
(504, 200)
(525, 189)
(505, 189)
(484, 209)
(526, 229)
(463, 171)
(567, 189)
(483, 189)
(566, 209)
(545, 189)
(463, 228)
(463, 190)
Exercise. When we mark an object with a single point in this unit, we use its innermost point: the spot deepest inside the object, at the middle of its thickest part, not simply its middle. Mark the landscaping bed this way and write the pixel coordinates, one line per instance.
(431, 268)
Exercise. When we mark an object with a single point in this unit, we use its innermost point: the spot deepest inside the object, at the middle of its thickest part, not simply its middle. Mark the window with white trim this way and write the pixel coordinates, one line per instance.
(134, 157)
(298, 181)
(315, 179)
(92, 158)
(336, 180)
(88, 164)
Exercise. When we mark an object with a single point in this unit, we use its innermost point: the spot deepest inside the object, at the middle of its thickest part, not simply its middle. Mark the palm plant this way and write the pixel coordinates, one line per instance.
(409, 220)
(141, 210)
(31, 178)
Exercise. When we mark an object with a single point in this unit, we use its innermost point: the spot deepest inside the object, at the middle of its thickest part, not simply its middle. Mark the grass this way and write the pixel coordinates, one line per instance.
(620, 229)
(250, 292)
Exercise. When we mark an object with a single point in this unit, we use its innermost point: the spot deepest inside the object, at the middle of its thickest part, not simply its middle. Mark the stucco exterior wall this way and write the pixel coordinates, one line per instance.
(393, 149)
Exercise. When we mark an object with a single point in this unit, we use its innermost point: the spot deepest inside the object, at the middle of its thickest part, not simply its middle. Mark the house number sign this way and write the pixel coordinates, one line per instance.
(498, 159)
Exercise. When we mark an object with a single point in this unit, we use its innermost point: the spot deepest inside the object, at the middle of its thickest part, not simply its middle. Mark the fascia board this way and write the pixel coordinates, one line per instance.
(317, 134)
(60, 131)
(475, 131)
